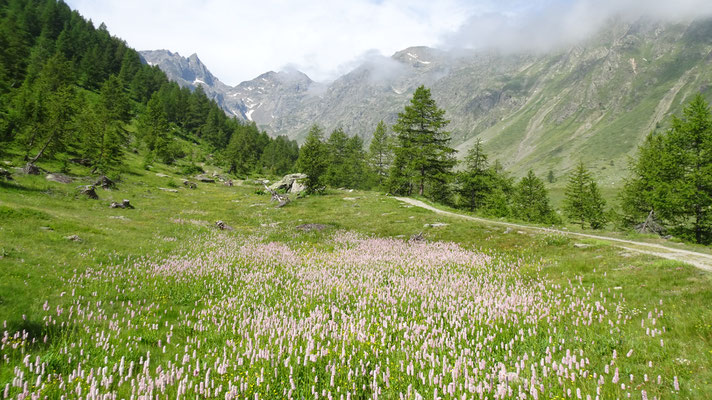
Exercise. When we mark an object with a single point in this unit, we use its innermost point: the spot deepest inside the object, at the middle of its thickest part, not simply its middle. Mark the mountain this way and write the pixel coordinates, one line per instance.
(191, 72)
(273, 97)
(591, 102)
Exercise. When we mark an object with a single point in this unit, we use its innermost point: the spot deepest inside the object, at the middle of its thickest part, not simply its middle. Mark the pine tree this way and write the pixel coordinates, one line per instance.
(242, 150)
(550, 177)
(357, 171)
(47, 107)
(645, 190)
(423, 155)
(380, 153)
(531, 201)
(105, 138)
(475, 182)
(313, 160)
(583, 203)
(153, 129)
(337, 172)
(690, 142)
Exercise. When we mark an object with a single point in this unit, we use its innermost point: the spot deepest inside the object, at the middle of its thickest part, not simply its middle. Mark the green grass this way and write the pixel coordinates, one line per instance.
(38, 264)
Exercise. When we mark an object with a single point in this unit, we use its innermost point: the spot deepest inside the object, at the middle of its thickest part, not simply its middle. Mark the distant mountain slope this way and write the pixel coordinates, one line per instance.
(191, 72)
(592, 102)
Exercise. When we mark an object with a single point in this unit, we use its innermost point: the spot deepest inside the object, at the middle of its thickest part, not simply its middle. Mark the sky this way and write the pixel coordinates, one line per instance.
(238, 40)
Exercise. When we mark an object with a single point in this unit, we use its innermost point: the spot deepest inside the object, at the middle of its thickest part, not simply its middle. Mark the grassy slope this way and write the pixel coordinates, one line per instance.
(35, 262)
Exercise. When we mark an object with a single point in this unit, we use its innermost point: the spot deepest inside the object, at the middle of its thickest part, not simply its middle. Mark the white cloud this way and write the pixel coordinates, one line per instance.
(239, 40)
(547, 24)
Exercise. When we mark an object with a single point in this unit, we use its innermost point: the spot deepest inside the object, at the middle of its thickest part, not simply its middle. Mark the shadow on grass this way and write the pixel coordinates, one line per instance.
(12, 186)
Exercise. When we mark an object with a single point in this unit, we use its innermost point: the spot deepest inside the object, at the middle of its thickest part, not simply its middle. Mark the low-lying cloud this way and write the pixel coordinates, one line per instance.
(547, 25)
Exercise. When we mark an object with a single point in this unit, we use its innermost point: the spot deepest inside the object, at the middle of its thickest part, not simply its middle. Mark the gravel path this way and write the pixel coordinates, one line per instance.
(700, 260)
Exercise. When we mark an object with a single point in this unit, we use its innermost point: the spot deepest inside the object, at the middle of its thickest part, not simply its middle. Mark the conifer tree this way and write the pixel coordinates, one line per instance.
(153, 129)
(242, 150)
(672, 176)
(645, 190)
(380, 153)
(48, 106)
(583, 203)
(313, 160)
(356, 163)
(422, 156)
(104, 136)
(690, 144)
(475, 182)
(531, 201)
(337, 172)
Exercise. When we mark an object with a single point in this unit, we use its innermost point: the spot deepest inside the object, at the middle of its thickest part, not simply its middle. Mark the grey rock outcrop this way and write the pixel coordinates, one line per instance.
(88, 191)
(292, 183)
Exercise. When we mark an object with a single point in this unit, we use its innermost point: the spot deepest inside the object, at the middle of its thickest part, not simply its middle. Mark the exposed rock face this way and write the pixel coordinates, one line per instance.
(292, 183)
(541, 111)
(192, 73)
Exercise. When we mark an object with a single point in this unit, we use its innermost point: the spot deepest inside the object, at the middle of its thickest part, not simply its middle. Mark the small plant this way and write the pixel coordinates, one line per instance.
(172, 184)
(556, 239)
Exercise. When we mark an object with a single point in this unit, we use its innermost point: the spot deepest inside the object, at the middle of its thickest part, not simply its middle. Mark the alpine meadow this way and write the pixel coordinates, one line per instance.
(517, 204)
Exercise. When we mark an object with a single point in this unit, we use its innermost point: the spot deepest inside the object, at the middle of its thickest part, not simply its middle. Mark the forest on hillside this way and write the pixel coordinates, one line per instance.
(71, 92)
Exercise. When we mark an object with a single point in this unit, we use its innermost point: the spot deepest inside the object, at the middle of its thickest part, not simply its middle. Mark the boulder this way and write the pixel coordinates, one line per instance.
(223, 226)
(297, 187)
(88, 191)
(168, 190)
(417, 238)
(287, 182)
(123, 204)
(435, 225)
(31, 169)
(73, 238)
(59, 178)
(204, 179)
(105, 183)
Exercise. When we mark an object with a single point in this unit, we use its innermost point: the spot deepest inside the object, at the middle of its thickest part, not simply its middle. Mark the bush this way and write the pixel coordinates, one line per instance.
(191, 169)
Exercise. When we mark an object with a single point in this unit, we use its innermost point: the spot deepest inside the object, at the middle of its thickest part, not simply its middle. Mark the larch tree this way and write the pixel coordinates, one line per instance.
(531, 200)
(475, 181)
(313, 159)
(583, 203)
(423, 156)
(380, 153)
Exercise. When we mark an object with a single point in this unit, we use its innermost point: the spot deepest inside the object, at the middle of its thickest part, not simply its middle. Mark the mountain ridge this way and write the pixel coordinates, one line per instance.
(592, 102)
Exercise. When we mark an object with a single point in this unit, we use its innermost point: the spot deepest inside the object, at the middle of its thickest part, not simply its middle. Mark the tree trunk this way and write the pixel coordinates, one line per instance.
(698, 224)
(42, 150)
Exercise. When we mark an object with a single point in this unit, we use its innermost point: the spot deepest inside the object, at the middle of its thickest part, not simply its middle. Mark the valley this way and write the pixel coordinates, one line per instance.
(592, 102)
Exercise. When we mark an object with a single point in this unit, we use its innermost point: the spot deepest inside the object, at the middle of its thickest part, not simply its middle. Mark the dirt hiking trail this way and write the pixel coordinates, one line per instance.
(700, 260)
